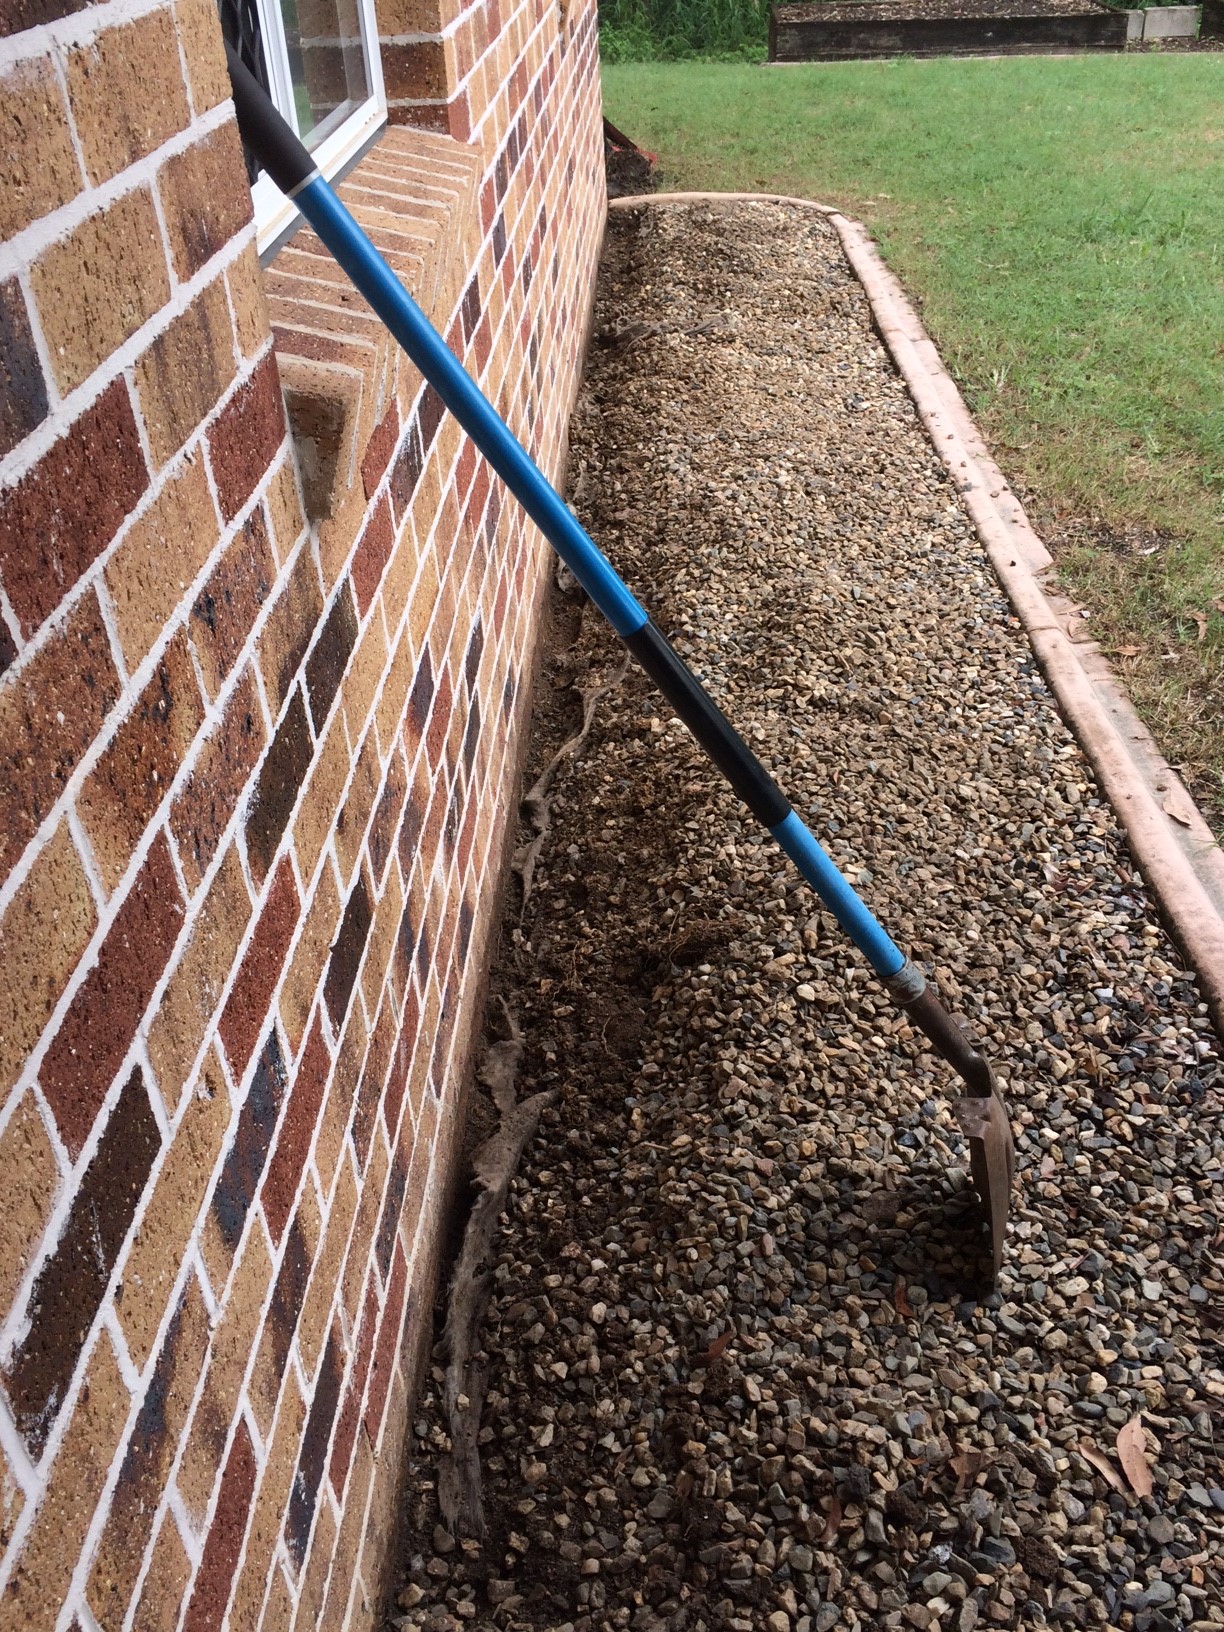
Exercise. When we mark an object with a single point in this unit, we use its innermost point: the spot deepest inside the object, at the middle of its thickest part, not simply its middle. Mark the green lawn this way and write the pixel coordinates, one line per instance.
(1060, 223)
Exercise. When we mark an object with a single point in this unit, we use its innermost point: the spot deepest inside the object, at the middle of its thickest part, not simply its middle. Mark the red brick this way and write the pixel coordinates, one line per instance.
(63, 513)
(243, 441)
(387, 1347)
(350, 1411)
(379, 449)
(243, 1017)
(215, 1580)
(297, 1131)
(101, 1022)
(372, 555)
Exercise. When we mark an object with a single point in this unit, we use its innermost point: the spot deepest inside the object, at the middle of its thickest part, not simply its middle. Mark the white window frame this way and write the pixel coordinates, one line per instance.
(275, 214)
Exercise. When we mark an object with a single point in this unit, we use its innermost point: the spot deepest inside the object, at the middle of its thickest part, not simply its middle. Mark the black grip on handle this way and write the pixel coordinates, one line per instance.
(266, 131)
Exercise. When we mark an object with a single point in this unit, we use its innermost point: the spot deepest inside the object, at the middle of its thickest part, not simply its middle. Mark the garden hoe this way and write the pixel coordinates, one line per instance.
(980, 1111)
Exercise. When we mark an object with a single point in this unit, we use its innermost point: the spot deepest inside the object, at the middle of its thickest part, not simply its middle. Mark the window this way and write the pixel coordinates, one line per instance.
(318, 60)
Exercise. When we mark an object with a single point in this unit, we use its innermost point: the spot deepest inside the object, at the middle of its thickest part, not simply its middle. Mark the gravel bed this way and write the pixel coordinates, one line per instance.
(849, 11)
(743, 1371)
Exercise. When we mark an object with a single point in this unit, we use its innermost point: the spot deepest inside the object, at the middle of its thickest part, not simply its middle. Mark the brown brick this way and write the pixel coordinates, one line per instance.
(284, 1308)
(327, 662)
(291, 624)
(215, 1577)
(127, 93)
(205, 199)
(372, 554)
(134, 774)
(297, 1131)
(313, 826)
(246, 284)
(309, 956)
(50, 714)
(222, 769)
(73, 1279)
(38, 166)
(226, 608)
(165, 1582)
(354, 1394)
(382, 942)
(47, 927)
(156, 1253)
(233, 1341)
(373, 1077)
(31, 1179)
(99, 285)
(387, 810)
(245, 437)
(147, 1457)
(386, 1348)
(343, 1581)
(186, 370)
(96, 1033)
(276, 792)
(194, 989)
(362, 1239)
(313, 1457)
(150, 573)
(379, 449)
(65, 510)
(23, 391)
(245, 1014)
(315, 1575)
(347, 953)
(39, 1584)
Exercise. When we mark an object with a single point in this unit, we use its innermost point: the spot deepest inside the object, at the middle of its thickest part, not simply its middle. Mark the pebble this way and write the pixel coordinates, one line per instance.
(744, 1371)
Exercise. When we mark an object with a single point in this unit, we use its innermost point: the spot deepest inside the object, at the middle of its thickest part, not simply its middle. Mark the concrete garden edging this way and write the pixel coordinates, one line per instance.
(1167, 23)
(1178, 856)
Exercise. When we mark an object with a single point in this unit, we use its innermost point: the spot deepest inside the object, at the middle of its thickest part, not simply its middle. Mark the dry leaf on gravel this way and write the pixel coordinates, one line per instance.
(966, 1465)
(832, 1522)
(717, 1347)
(901, 1300)
(1102, 1464)
(1132, 1453)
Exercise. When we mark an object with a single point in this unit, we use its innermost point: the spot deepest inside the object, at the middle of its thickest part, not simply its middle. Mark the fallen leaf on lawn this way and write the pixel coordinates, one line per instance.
(832, 1523)
(717, 1347)
(1175, 807)
(1076, 629)
(1200, 619)
(1102, 1464)
(1129, 651)
(1132, 1453)
(966, 1465)
(902, 1303)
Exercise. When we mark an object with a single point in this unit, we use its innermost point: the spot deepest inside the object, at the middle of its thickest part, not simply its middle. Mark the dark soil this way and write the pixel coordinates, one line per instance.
(869, 11)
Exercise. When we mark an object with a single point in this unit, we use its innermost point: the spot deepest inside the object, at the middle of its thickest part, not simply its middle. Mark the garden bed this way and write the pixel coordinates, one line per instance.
(832, 30)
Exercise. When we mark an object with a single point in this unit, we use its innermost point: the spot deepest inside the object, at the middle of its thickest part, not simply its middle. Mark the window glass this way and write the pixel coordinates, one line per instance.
(325, 44)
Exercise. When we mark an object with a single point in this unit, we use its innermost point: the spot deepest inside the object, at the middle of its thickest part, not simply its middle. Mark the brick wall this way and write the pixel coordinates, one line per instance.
(265, 627)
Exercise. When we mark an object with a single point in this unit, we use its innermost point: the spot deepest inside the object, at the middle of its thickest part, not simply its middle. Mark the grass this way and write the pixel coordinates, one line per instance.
(1060, 223)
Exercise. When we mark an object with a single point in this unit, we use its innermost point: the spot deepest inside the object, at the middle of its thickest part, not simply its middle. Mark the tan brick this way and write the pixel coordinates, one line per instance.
(99, 285)
(424, 600)
(322, 797)
(231, 599)
(31, 1177)
(204, 198)
(279, 1609)
(318, 1569)
(38, 166)
(12, 1502)
(394, 696)
(231, 1350)
(39, 1583)
(309, 958)
(361, 1241)
(133, 775)
(169, 1220)
(199, 33)
(285, 508)
(193, 993)
(127, 93)
(165, 1584)
(250, 305)
(329, 1141)
(382, 941)
(152, 570)
(365, 675)
(269, 1370)
(290, 625)
(147, 1458)
(271, 1501)
(186, 370)
(349, 1546)
(354, 816)
(316, 1311)
(44, 932)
